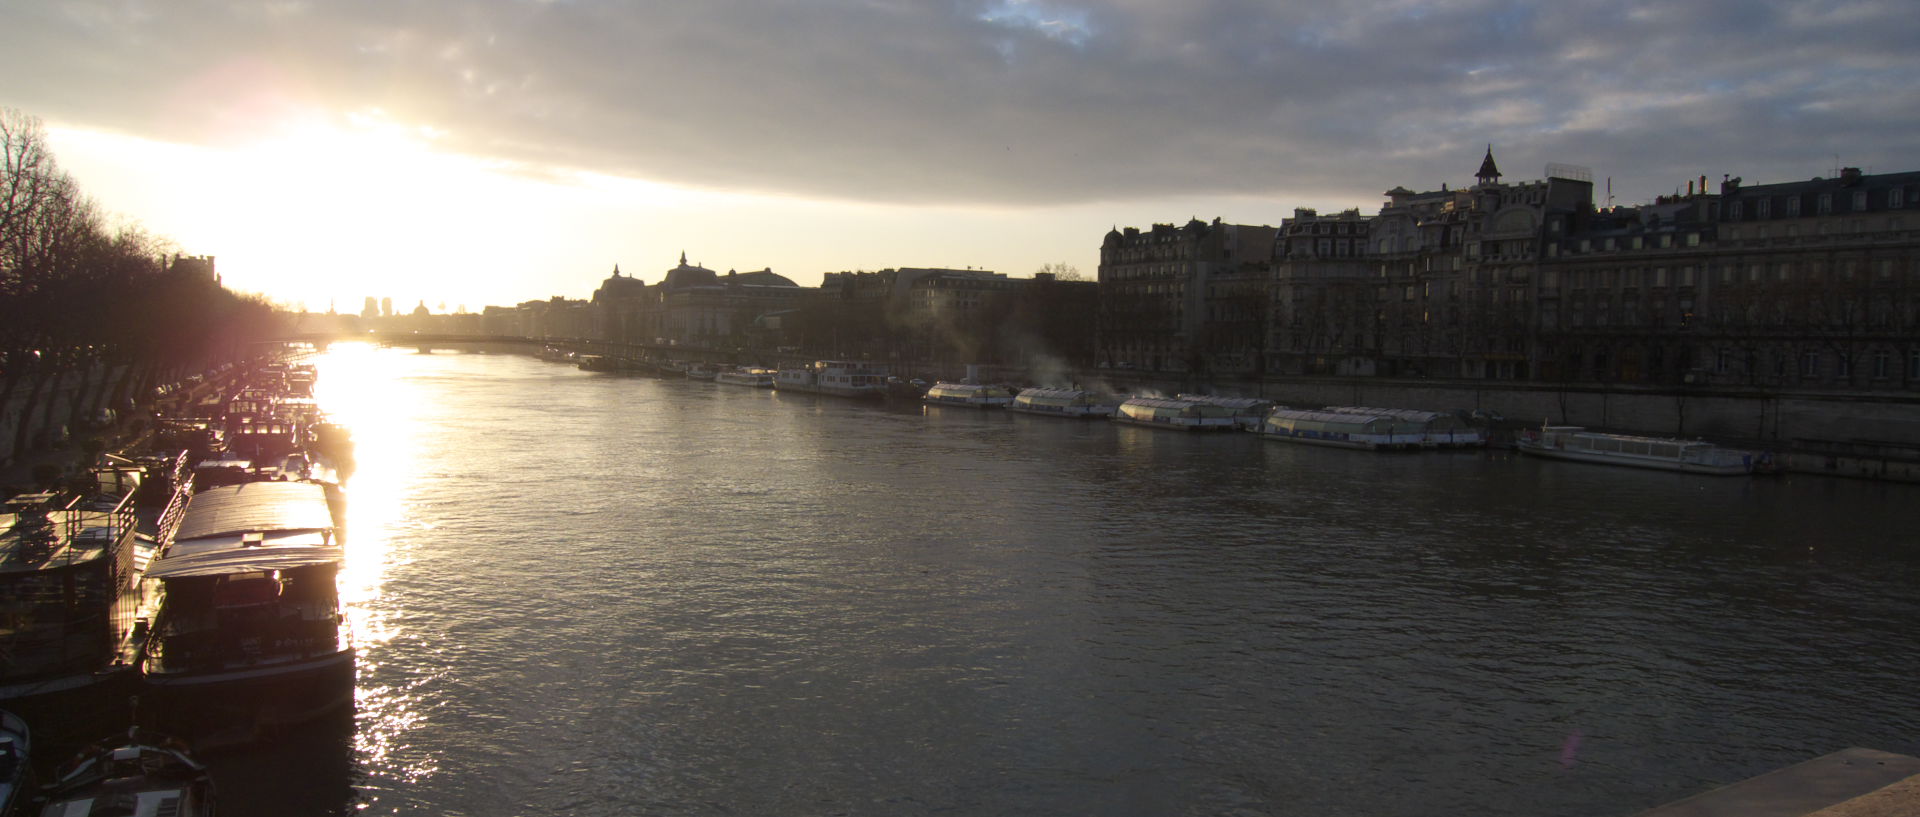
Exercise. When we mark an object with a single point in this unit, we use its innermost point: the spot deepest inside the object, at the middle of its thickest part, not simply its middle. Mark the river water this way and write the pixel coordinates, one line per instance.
(593, 594)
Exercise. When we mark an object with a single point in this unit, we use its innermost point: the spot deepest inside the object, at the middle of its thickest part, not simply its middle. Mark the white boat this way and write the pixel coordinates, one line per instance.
(1065, 403)
(248, 601)
(1339, 430)
(1689, 456)
(1183, 415)
(1248, 412)
(973, 395)
(1436, 429)
(701, 371)
(842, 378)
(16, 767)
(139, 775)
(746, 376)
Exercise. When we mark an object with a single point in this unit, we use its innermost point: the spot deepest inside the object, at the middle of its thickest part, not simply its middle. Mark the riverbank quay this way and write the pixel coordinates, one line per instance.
(70, 452)
(1863, 436)
(1852, 782)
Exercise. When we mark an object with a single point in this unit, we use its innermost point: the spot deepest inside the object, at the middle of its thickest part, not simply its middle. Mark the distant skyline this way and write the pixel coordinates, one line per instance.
(499, 151)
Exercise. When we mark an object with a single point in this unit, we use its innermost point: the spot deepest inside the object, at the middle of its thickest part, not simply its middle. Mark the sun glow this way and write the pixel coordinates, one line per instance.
(362, 389)
(366, 389)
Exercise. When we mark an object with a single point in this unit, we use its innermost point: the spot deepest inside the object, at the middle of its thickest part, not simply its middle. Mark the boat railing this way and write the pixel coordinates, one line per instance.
(168, 525)
(84, 513)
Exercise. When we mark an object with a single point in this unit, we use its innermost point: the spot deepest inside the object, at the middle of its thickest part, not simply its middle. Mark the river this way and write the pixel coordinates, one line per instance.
(592, 594)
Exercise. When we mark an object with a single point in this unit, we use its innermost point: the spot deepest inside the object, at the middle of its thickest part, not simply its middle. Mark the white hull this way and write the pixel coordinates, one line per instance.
(979, 402)
(835, 391)
(1074, 412)
(1362, 443)
(1637, 461)
(1178, 424)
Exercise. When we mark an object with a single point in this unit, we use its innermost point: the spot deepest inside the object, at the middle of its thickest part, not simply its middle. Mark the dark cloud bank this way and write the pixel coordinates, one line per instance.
(1008, 102)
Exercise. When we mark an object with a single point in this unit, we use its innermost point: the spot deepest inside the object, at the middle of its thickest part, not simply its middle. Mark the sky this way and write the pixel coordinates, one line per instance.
(473, 152)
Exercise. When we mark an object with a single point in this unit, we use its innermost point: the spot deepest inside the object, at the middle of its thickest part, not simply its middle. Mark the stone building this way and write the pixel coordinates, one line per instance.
(1325, 294)
(1437, 284)
(1621, 292)
(1811, 285)
(1159, 287)
(1816, 284)
(692, 306)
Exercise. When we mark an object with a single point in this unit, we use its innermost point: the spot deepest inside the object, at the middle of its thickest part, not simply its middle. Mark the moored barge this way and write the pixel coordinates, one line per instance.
(971, 395)
(1182, 415)
(249, 615)
(1689, 456)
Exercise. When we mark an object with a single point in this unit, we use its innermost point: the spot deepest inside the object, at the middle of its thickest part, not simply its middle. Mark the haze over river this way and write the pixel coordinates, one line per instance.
(608, 595)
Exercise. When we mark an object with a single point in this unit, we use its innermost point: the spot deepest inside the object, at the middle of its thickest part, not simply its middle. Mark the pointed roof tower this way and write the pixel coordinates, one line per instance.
(683, 253)
(1489, 172)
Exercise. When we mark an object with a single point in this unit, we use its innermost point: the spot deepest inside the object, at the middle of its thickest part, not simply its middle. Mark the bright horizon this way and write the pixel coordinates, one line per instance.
(490, 153)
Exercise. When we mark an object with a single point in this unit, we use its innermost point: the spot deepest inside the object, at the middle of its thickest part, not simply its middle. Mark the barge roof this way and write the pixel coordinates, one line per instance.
(256, 507)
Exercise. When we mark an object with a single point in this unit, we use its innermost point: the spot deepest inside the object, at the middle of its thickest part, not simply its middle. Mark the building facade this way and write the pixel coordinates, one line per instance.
(692, 306)
(1158, 288)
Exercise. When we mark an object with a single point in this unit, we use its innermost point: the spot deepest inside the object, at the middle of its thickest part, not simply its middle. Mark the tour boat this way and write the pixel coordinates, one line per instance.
(972, 395)
(1064, 403)
(69, 585)
(746, 376)
(1436, 429)
(1690, 456)
(16, 767)
(701, 371)
(248, 602)
(1185, 415)
(1341, 430)
(1248, 412)
(842, 378)
(139, 775)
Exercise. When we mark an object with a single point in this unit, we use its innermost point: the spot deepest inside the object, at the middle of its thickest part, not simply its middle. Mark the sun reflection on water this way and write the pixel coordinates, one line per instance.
(365, 388)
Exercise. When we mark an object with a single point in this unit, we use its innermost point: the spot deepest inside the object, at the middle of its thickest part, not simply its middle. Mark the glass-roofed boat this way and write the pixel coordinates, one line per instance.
(1183, 415)
(1064, 403)
(1690, 456)
(1248, 412)
(1437, 429)
(1340, 430)
(971, 395)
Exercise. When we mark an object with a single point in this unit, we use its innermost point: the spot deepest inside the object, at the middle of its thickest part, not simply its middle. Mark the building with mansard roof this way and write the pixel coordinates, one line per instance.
(1437, 284)
(1808, 285)
(1159, 287)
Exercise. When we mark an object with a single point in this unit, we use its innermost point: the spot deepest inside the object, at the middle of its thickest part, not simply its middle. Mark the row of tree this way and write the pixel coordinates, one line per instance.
(1042, 325)
(93, 313)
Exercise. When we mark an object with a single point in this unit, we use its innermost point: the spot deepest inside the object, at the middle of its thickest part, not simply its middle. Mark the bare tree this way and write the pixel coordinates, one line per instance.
(1060, 271)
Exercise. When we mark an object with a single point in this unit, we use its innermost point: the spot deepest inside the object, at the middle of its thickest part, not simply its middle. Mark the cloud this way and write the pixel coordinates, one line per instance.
(1013, 102)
